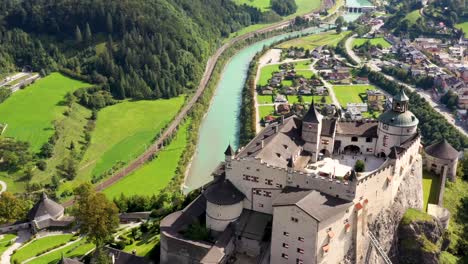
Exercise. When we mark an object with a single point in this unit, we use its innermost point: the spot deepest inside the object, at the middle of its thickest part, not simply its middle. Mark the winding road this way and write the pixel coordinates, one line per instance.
(157, 145)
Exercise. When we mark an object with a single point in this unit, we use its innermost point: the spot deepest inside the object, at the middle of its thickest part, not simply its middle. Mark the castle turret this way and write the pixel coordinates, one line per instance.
(442, 159)
(311, 127)
(396, 125)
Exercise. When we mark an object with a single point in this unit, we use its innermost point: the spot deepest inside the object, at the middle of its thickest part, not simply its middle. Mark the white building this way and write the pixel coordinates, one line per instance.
(296, 179)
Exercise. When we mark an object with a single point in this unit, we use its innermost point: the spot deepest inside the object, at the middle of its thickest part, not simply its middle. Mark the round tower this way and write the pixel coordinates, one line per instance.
(396, 125)
(224, 204)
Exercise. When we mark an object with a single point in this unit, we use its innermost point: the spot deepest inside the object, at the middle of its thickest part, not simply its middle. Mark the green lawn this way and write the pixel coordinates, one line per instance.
(71, 128)
(266, 110)
(266, 72)
(287, 83)
(316, 40)
(374, 41)
(29, 113)
(38, 246)
(431, 185)
(413, 16)
(13, 183)
(302, 65)
(453, 195)
(75, 250)
(463, 26)
(351, 93)
(156, 174)
(265, 99)
(123, 131)
(144, 246)
(308, 99)
(6, 242)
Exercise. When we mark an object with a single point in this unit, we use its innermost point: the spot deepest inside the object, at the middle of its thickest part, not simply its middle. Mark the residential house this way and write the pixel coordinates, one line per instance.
(361, 80)
(280, 99)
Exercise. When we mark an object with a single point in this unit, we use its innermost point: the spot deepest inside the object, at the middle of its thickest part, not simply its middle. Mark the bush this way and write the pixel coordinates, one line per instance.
(360, 166)
(42, 165)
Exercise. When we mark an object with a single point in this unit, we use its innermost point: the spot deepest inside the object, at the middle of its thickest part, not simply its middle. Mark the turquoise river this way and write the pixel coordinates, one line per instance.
(221, 123)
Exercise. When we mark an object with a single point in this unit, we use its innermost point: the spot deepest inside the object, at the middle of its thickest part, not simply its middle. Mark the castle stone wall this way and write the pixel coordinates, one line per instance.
(218, 217)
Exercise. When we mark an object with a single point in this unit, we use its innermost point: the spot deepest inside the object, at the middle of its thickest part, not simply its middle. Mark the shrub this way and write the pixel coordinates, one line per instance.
(360, 166)
(42, 165)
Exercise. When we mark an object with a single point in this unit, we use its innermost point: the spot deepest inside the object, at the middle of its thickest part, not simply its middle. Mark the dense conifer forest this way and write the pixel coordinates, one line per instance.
(134, 49)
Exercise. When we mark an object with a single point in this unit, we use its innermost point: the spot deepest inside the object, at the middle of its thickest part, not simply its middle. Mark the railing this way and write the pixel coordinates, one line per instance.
(377, 246)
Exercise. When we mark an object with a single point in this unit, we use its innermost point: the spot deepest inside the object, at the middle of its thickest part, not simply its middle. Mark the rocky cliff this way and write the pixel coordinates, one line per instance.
(419, 238)
(385, 225)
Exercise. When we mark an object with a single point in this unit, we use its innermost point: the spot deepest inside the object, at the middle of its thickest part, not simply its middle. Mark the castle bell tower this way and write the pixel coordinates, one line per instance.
(396, 125)
(311, 128)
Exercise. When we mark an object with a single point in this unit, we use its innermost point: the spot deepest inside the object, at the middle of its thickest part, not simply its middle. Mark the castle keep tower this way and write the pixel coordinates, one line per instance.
(396, 125)
(311, 128)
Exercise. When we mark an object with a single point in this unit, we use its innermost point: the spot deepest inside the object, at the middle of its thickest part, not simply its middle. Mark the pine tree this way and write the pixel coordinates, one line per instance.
(88, 34)
(78, 36)
(109, 23)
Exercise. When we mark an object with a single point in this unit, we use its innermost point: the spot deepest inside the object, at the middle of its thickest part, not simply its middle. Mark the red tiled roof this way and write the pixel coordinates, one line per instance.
(358, 206)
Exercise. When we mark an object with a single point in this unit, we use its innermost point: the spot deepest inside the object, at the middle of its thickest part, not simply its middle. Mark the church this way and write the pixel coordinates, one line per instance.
(295, 194)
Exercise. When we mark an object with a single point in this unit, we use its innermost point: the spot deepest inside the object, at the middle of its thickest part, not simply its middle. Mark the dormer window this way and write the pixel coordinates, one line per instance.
(285, 146)
(278, 155)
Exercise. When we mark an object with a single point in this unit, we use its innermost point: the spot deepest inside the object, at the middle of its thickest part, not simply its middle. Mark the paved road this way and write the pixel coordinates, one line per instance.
(157, 145)
(23, 236)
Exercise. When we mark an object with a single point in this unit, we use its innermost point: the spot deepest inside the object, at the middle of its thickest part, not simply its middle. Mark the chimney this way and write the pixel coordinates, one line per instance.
(282, 119)
(276, 129)
(263, 143)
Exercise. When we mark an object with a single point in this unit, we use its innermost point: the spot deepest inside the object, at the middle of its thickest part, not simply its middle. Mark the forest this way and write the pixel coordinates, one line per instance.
(125, 47)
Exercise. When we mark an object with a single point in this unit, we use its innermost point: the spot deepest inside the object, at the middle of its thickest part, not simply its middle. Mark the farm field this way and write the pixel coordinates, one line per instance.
(313, 41)
(303, 7)
(39, 245)
(29, 113)
(263, 5)
(5, 242)
(351, 93)
(431, 184)
(156, 174)
(122, 132)
(75, 250)
(374, 41)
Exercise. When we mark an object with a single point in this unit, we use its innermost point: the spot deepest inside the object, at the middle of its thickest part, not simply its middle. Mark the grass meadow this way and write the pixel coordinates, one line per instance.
(6, 242)
(374, 41)
(122, 132)
(313, 41)
(453, 195)
(30, 113)
(156, 174)
(38, 246)
(463, 26)
(351, 93)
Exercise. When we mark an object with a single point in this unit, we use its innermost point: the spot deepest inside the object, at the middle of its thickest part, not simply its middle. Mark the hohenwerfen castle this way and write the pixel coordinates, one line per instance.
(295, 195)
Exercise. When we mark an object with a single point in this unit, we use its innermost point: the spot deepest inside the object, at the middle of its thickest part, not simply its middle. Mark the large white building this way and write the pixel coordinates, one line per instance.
(292, 194)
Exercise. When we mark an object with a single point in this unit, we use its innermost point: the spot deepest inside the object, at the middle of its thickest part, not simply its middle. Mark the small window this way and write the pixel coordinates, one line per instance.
(246, 177)
(248, 168)
(369, 149)
(299, 261)
(268, 182)
(368, 139)
(354, 139)
(254, 179)
(267, 194)
(300, 239)
(294, 219)
(285, 245)
(286, 233)
(258, 192)
(260, 205)
(300, 250)
(285, 256)
(279, 185)
(258, 169)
